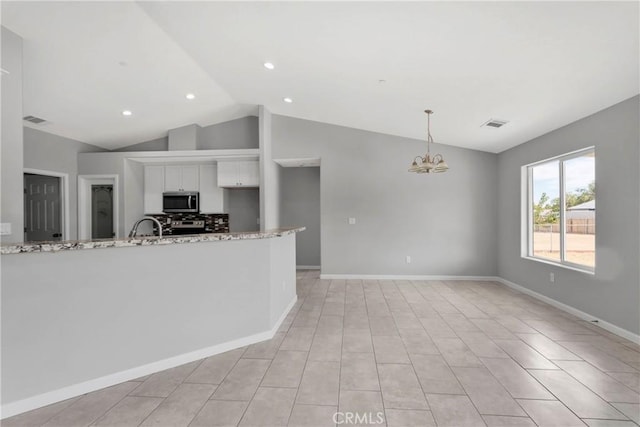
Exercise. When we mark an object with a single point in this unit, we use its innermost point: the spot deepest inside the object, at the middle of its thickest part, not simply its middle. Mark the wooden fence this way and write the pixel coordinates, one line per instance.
(574, 226)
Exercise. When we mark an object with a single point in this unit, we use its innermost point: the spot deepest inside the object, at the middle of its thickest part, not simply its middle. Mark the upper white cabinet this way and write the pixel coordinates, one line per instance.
(181, 178)
(202, 178)
(153, 188)
(211, 195)
(238, 174)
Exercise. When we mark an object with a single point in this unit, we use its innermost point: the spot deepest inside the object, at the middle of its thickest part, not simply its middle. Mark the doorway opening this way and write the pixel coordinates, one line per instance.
(97, 207)
(102, 211)
(46, 205)
(300, 206)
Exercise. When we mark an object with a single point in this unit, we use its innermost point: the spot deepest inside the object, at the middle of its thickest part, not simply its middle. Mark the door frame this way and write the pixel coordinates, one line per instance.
(64, 194)
(84, 202)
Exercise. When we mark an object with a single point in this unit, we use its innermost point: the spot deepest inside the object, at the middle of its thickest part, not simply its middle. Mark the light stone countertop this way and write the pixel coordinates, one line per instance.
(71, 245)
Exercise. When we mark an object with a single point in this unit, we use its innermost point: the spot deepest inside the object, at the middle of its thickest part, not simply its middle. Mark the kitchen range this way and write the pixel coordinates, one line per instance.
(174, 224)
(181, 215)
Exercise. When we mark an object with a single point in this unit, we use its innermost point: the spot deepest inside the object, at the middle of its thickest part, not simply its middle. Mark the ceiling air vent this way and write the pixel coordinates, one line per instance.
(34, 119)
(493, 123)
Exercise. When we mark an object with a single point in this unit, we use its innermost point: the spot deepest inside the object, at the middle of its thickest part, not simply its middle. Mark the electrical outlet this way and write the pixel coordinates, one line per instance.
(408, 259)
(258, 221)
(552, 277)
(352, 221)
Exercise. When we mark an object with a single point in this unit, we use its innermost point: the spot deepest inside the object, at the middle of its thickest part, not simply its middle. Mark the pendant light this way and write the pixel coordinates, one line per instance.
(428, 164)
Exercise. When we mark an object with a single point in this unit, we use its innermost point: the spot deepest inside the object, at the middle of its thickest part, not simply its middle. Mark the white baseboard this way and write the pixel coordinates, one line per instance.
(307, 267)
(572, 310)
(401, 277)
(44, 399)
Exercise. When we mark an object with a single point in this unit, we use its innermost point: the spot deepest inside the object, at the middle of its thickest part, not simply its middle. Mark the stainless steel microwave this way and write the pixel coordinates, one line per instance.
(181, 202)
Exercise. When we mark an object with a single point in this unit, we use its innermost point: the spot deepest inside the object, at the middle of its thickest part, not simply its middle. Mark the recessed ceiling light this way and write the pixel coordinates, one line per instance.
(190, 96)
(126, 113)
(287, 100)
(269, 66)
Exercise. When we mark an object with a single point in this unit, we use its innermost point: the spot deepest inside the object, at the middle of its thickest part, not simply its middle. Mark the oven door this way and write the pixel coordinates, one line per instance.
(180, 202)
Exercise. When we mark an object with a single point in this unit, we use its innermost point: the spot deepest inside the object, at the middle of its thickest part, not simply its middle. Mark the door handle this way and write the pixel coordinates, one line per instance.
(57, 235)
(189, 201)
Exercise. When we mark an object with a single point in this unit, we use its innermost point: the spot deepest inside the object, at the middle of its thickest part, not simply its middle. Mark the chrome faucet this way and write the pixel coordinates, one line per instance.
(134, 230)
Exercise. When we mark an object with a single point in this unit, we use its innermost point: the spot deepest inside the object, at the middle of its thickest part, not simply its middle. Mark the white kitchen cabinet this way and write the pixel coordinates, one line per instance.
(181, 178)
(211, 196)
(239, 174)
(190, 178)
(153, 188)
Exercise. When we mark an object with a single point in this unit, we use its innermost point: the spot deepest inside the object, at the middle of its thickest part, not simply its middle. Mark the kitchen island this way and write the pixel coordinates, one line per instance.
(80, 316)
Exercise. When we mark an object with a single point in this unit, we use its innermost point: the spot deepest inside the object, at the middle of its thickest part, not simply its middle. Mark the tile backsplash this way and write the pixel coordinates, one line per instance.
(214, 223)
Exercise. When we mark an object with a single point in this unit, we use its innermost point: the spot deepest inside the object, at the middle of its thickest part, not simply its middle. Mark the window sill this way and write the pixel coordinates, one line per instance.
(573, 267)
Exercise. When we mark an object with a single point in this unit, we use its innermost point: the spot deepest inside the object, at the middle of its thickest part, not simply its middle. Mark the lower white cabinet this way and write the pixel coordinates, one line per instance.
(239, 173)
(211, 195)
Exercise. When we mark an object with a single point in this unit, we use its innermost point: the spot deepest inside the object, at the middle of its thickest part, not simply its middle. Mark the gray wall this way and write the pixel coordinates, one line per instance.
(160, 144)
(445, 222)
(613, 293)
(11, 191)
(300, 206)
(50, 152)
(243, 207)
(184, 138)
(234, 134)
(130, 183)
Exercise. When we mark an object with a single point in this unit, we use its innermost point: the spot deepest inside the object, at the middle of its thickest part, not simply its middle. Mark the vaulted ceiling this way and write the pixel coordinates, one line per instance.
(367, 65)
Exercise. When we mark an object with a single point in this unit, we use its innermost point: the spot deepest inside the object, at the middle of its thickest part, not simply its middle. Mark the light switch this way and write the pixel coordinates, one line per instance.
(352, 221)
(5, 229)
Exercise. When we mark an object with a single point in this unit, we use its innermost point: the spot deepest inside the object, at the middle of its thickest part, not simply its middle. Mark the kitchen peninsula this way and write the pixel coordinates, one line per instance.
(78, 317)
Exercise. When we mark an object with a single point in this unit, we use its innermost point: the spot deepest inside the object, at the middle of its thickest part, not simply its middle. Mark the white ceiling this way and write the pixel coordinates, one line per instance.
(538, 65)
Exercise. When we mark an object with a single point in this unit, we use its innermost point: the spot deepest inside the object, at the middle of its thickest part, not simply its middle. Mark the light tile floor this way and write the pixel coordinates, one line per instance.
(398, 353)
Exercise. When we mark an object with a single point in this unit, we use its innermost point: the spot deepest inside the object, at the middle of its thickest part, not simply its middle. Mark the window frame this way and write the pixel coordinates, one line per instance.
(527, 227)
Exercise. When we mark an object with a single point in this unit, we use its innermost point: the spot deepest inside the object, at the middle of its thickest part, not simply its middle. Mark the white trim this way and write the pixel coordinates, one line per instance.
(565, 156)
(84, 202)
(64, 177)
(188, 156)
(28, 404)
(307, 267)
(299, 162)
(572, 310)
(567, 265)
(526, 218)
(526, 230)
(402, 277)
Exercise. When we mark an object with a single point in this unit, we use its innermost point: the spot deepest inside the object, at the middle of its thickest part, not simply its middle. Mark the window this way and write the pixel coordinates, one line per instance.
(561, 210)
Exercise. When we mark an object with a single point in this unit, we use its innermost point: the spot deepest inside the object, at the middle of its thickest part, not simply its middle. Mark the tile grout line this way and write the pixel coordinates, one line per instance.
(295, 399)
(174, 390)
(344, 312)
(453, 373)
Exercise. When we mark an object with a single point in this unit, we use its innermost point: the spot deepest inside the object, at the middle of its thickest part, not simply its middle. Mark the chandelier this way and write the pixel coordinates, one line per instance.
(428, 164)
